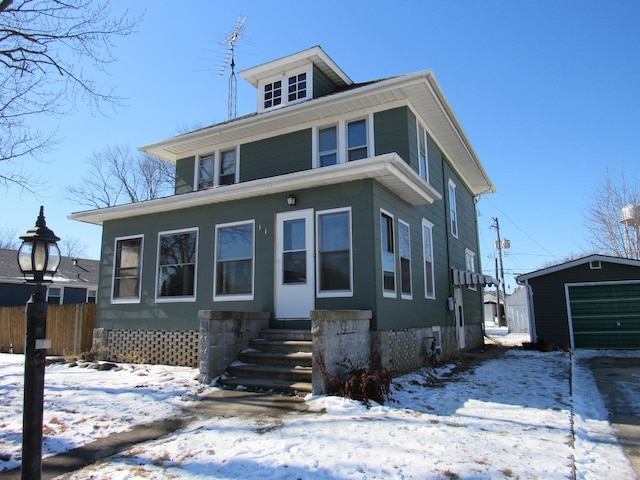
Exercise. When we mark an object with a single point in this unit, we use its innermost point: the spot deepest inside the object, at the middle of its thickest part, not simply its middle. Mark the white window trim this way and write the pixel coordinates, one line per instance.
(470, 253)
(284, 78)
(334, 293)
(86, 299)
(60, 298)
(453, 210)
(184, 299)
(420, 126)
(406, 296)
(217, 154)
(427, 224)
(342, 142)
(113, 271)
(242, 296)
(389, 293)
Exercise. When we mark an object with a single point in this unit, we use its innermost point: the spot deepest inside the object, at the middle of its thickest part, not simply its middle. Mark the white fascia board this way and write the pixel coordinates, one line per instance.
(388, 169)
(575, 263)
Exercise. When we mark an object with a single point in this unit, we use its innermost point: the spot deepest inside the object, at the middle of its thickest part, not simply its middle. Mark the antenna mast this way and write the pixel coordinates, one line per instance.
(233, 82)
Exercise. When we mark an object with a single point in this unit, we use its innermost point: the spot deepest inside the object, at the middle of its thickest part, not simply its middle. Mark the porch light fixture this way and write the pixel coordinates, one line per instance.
(38, 256)
(291, 200)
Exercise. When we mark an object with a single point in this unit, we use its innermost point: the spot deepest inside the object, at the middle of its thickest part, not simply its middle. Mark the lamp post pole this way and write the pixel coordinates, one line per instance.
(34, 363)
(38, 256)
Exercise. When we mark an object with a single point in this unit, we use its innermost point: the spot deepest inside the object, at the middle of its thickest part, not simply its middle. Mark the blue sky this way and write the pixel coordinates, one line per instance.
(548, 92)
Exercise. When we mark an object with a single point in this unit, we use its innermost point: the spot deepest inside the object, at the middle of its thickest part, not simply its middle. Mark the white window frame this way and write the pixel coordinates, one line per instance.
(136, 299)
(423, 170)
(185, 298)
(453, 210)
(284, 89)
(217, 164)
(334, 293)
(383, 250)
(342, 142)
(401, 224)
(234, 297)
(59, 297)
(470, 264)
(426, 224)
(95, 295)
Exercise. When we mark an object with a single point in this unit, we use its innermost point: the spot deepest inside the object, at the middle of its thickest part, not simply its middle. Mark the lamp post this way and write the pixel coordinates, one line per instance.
(38, 257)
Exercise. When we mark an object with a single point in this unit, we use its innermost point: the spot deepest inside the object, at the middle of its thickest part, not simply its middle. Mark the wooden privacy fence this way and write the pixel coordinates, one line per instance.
(69, 327)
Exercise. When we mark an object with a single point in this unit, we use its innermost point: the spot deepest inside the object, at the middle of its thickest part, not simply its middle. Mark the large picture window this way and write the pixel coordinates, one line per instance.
(334, 253)
(234, 261)
(427, 254)
(127, 268)
(388, 254)
(177, 265)
(405, 259)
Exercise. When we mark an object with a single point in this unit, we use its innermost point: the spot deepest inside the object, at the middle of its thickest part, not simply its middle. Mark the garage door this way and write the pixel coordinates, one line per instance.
(605, 315)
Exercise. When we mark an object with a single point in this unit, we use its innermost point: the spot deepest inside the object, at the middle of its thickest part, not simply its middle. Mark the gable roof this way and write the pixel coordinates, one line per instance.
(74, 271)
(577, 262)
(419, 90)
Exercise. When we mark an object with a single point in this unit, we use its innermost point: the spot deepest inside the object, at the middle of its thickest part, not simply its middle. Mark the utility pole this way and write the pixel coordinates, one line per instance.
(496, 225)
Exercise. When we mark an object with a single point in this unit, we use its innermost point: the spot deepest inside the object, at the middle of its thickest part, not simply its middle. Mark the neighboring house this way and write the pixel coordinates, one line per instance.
(590, 302)
(76, 281)
(332, 196)
(491, 316)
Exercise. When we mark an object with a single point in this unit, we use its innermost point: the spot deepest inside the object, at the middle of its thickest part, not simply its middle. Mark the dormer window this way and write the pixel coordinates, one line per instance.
(286, 90)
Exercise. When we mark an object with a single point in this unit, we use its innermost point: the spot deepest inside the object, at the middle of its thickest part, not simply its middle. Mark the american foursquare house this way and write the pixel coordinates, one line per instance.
(338, 219)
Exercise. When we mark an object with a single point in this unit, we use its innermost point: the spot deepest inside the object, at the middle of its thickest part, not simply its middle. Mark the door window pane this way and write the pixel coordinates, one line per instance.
(294, 253)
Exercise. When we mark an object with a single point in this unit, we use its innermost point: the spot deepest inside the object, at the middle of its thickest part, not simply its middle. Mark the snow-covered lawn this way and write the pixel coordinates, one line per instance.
(511, 417)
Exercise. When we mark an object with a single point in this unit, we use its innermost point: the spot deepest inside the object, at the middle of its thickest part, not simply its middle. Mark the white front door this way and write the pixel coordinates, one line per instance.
(459, 317)
(295, 273)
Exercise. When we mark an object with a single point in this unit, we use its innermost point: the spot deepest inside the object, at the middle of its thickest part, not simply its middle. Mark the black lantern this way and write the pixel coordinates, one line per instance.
(39, 255)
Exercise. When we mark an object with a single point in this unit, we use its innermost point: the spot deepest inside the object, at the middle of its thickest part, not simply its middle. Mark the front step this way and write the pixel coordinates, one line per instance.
(280, 360)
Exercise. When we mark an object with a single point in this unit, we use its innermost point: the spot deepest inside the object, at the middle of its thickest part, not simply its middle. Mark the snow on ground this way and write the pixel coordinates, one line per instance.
(510, 417)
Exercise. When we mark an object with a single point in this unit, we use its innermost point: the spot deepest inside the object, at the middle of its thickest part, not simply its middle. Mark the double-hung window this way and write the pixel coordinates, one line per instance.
(427, 255)
(334, 253)
(297, 87)
(177, 256)
(453, 212)
(279, 91)
(234, 261)
(423, 159)
(470, 263)
(127, 269)
(404, 240)
(357, 140)
(388, 255)
(218, 168)
(328, 146)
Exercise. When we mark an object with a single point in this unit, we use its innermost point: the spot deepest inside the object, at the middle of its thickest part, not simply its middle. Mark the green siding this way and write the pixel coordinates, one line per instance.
(395, 131)
(321, 84)
(276, 156)
(605, 316)
(185, 175)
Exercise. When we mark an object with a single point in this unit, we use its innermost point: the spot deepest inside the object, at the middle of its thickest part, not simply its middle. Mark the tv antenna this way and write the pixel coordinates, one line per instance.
(233, 82)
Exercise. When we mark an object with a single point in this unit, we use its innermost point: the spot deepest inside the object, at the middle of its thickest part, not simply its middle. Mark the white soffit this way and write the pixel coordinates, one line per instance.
(389, 170)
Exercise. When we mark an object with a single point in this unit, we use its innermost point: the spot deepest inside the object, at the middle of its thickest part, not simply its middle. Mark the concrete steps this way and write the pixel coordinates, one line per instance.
(280, 361)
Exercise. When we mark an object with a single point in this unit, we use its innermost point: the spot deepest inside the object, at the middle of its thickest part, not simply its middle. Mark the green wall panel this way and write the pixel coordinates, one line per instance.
(185, 175)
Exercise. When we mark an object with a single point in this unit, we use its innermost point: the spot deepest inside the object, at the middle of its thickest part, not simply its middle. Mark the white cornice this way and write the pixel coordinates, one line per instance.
(389, 170)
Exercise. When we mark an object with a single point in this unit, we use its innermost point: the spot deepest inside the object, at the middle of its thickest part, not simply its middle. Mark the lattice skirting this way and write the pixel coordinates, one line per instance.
(158, 347)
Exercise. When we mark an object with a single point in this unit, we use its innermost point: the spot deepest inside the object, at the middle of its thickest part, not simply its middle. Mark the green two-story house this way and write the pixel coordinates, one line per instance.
(333, 195)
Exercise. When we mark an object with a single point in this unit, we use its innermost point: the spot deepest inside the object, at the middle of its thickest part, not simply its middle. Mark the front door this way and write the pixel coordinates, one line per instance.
(459, 317)
(295, 273)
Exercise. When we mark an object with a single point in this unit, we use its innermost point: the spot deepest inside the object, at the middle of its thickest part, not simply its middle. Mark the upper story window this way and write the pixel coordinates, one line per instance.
(177, 265)
(218, 168)
(127, 269)
(342, 142)
(285, 90)
(423, 158)
(453, 211)
(470, 263)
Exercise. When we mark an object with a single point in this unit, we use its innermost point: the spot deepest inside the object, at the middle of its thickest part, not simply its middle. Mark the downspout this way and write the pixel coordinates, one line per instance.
(447, 230)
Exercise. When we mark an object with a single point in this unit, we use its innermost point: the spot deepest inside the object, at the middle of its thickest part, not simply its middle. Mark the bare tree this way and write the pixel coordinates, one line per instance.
(49, 50)
(72, 247)
(119, 176)
(9, 238)
(603, 215)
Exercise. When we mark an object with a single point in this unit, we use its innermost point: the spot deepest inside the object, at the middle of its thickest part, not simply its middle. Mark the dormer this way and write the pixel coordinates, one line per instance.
(296, 78)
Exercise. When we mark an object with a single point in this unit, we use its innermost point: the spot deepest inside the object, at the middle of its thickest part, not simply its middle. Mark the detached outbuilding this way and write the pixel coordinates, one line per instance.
(590, 302)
